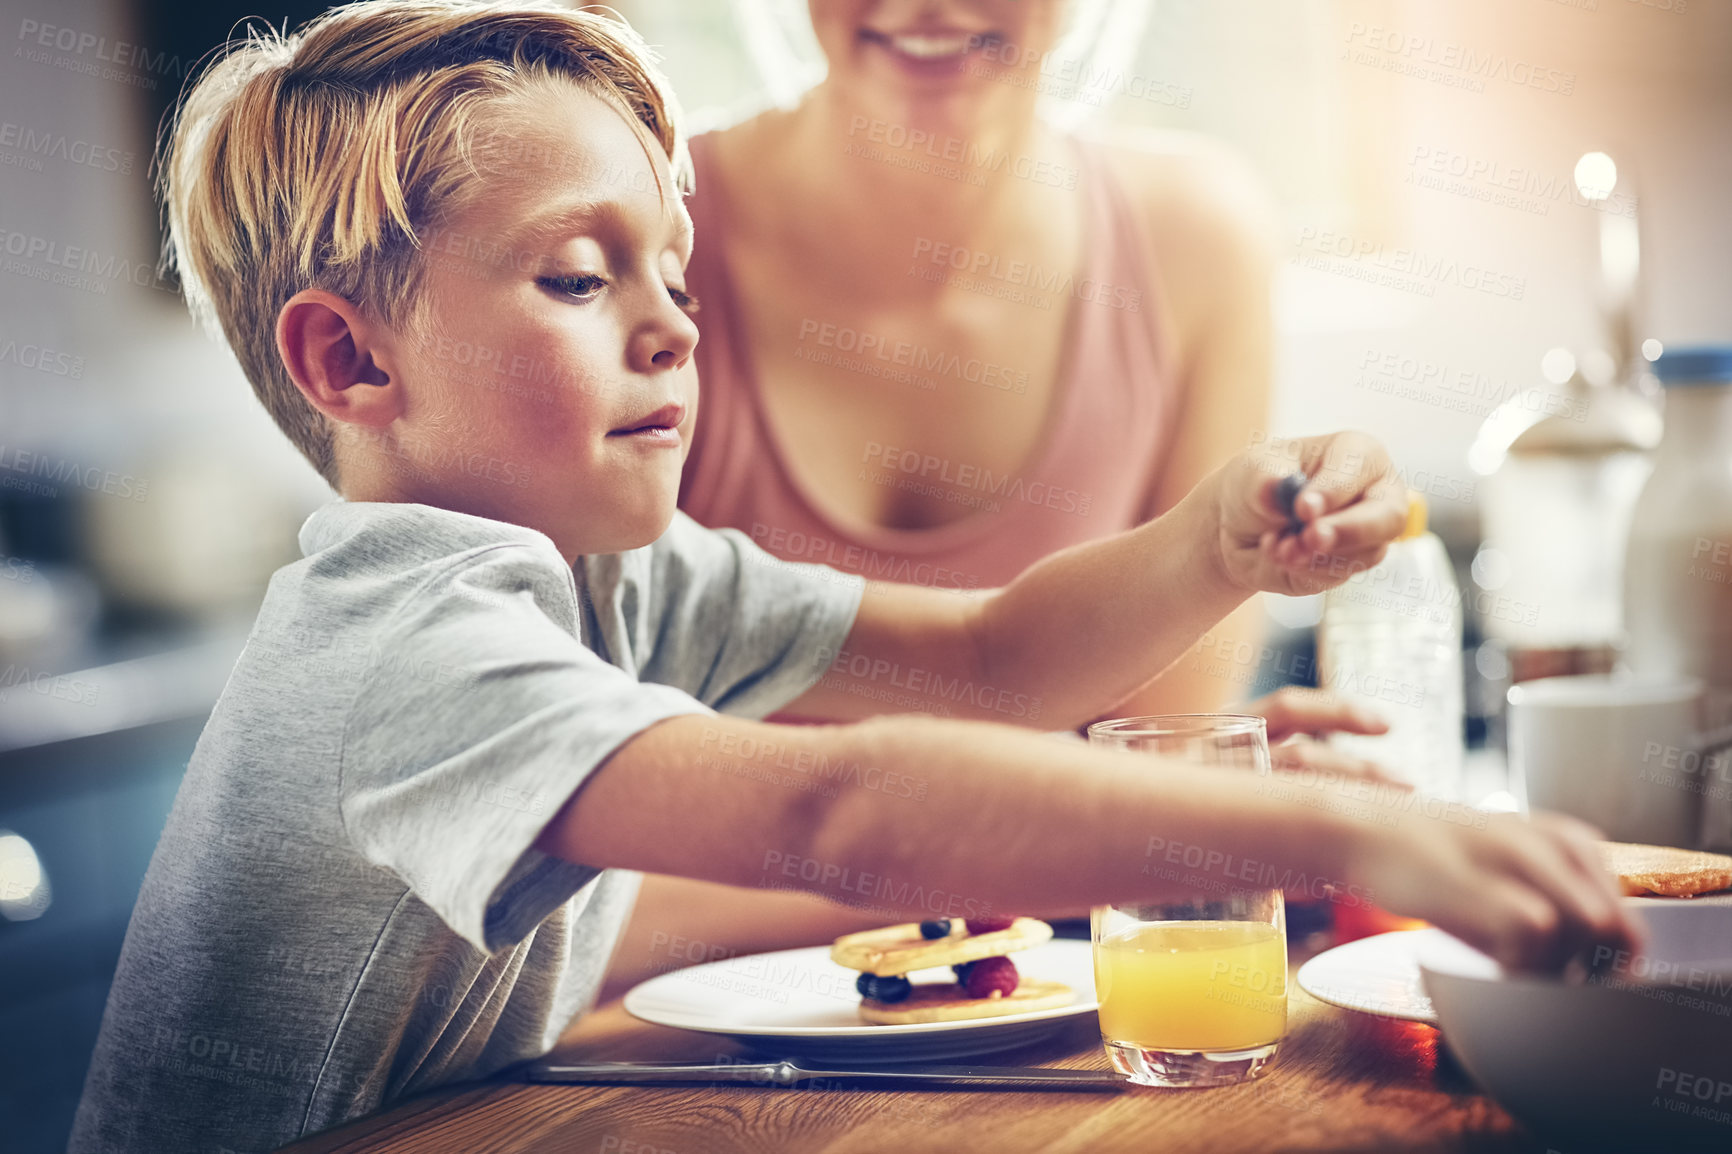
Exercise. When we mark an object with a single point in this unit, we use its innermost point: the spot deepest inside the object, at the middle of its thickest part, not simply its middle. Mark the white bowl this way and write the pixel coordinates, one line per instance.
(1640, 1058)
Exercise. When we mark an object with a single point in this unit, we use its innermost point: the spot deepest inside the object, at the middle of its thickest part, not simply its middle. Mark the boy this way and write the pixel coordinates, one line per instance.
(445, 242)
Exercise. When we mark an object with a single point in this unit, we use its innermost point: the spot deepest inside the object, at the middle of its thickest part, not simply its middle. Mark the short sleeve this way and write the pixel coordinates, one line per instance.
(477, 718)
(741, 630)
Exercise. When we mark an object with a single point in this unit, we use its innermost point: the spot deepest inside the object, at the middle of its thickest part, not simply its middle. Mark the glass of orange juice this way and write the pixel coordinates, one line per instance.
(1192, 993)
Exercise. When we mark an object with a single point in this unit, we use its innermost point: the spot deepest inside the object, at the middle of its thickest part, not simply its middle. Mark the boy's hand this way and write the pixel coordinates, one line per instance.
(1351, 507)
(1530, 893)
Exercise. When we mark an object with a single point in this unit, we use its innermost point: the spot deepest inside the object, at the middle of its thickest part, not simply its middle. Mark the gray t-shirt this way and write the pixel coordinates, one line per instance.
(346, 907)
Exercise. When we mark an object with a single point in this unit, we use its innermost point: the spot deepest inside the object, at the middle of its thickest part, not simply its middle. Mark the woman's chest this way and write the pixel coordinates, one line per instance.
(889, 406)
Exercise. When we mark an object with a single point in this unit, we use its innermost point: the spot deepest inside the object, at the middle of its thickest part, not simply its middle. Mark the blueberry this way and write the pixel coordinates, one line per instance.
(961, 971)
(937, 929)
(1287, 492)
(891, 989)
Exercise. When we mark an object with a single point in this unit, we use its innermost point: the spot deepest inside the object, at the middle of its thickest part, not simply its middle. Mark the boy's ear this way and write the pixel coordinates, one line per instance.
(338, 359)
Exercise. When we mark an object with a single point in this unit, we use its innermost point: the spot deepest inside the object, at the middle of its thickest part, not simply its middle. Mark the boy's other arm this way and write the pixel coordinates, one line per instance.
(1085, 628)
(1074, 633)
(933, 818)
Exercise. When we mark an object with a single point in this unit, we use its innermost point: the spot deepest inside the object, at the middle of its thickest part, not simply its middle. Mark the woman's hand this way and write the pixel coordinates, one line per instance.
(1351, 506)
(1298, 718)
(1293, 711)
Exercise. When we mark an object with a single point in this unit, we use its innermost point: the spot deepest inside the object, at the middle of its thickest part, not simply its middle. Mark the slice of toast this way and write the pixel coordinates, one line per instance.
(1664, 871)
(946, 1002)
(900, 949)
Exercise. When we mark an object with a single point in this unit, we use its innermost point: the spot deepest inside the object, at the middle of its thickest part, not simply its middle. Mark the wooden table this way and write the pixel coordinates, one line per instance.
(1343, 1081)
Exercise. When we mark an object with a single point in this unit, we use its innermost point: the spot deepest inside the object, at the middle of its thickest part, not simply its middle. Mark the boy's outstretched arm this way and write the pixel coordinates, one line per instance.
(932, 818)
(1086, 627)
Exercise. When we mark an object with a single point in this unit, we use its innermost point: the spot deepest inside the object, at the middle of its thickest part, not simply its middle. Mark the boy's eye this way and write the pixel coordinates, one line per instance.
(581, 286)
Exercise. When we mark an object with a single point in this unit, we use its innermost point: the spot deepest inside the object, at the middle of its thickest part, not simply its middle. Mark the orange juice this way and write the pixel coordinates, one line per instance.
(1205, 986)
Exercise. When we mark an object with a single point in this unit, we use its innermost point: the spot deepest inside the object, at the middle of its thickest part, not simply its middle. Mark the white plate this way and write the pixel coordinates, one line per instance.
(1380, 975)
(799, 1002)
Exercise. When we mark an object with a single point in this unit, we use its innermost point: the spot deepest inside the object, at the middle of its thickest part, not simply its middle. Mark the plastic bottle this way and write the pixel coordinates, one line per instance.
(1390, 638)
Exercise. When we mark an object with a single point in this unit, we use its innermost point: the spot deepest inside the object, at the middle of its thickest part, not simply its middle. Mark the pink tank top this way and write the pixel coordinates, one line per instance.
(1091, 471)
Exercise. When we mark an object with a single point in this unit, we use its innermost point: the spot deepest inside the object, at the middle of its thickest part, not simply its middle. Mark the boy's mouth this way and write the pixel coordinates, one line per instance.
(663, 425)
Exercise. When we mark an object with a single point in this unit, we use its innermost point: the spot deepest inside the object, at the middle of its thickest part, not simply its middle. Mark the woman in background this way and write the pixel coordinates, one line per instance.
(943, 338)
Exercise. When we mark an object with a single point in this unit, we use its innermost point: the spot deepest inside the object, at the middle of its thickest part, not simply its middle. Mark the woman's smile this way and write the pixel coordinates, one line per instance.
(930, 52)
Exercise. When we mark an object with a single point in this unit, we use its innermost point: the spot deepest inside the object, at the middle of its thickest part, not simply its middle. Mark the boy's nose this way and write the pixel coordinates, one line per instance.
(664, 341)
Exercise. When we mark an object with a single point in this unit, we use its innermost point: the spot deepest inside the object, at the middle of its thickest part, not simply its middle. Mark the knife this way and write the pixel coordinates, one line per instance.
(788, 1073)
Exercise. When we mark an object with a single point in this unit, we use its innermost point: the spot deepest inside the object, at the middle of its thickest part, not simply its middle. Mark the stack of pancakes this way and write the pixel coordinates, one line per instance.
(895, 951)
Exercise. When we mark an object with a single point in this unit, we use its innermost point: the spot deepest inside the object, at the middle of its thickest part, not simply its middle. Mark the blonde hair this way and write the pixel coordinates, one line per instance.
(319, 159)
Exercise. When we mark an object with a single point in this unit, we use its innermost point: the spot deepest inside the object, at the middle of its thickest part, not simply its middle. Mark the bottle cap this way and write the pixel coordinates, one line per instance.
(1415, 516)
(1701, 365)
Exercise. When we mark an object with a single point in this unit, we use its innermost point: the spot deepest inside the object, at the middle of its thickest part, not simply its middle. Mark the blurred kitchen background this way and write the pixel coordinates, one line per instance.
(1583, 174)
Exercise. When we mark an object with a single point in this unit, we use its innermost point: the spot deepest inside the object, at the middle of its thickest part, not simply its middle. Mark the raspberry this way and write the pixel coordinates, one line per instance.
(933, 930)
(991, 976)
(989, 925)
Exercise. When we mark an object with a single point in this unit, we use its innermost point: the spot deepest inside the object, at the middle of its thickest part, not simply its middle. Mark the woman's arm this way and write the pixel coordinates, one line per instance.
(1210, 234)
(1212, 238)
